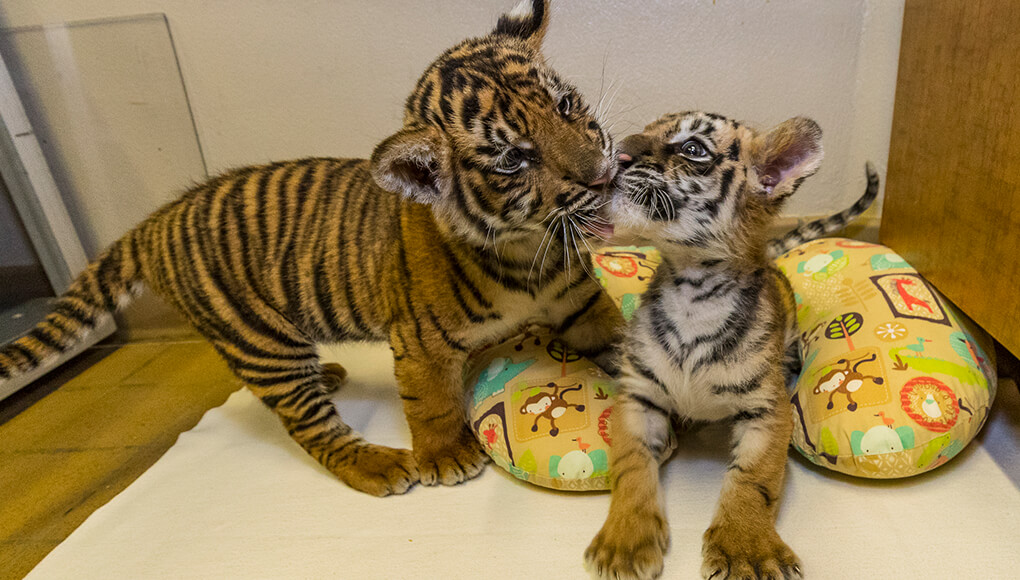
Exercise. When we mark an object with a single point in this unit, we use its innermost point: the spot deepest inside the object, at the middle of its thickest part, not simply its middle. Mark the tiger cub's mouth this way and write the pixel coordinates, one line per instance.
(596, 221)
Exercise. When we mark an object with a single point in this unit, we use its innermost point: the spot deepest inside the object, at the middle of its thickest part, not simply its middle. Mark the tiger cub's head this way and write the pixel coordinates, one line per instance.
(496, 142)
(704, 183)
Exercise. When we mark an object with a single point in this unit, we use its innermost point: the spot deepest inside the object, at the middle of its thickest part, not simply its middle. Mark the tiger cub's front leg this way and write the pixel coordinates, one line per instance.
(433, 392)
(635, 537)
(595, 329)
(742, 541)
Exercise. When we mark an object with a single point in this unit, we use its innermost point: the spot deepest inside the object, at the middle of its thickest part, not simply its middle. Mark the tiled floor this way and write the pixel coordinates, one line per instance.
(75, 439)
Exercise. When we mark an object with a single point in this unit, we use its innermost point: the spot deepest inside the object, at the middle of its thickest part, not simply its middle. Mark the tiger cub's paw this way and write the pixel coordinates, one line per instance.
(736, 554)
(333, 377)
(630, 549)
(378, 470)
(452, 463)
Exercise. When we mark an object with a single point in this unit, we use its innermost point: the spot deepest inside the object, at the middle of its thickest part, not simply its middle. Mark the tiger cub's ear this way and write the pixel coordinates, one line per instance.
(787, 155)
(410, 162)
(527, 21)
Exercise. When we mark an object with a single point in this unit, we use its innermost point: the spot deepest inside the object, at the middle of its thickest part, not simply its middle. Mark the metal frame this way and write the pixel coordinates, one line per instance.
(37, 200)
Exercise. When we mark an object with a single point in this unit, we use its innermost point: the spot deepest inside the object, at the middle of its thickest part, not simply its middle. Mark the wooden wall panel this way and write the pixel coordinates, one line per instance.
(952, 202)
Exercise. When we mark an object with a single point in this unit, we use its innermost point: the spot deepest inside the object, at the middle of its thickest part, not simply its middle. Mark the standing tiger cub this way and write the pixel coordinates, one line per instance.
(432, 245)
(709, 339)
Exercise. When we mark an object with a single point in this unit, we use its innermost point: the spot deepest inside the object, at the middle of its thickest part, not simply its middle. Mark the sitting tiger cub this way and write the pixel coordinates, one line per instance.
(709, 339)
(432, 246)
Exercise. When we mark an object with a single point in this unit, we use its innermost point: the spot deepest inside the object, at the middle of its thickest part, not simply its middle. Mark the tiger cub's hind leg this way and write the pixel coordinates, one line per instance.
(297, 389)
(742, 541)
(334, 376)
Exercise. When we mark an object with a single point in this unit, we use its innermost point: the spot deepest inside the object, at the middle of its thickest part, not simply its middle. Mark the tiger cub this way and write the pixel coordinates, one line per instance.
(432, 245)
(708, 341)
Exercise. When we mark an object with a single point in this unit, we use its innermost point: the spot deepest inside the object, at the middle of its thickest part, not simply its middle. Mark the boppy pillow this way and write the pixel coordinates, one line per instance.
(895, 380)
(625, 273)
(541, 410)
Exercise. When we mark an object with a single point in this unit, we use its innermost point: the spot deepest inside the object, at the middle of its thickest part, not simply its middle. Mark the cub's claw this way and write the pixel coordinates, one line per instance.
(454, 463)
(631, 550)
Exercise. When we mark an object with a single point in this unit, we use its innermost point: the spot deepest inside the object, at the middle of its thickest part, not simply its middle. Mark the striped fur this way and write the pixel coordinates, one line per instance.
(708, 341)
(469, 222)
(828, 225)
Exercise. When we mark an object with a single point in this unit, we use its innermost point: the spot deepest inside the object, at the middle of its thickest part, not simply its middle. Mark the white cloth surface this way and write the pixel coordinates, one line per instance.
(236, 498)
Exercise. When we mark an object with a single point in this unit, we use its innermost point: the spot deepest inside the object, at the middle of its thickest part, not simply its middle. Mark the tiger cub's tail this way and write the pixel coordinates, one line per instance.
(106, 285)
(825, 226)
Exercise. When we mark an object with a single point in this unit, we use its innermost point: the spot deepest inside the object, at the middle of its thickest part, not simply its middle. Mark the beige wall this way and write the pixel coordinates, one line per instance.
(278, 79)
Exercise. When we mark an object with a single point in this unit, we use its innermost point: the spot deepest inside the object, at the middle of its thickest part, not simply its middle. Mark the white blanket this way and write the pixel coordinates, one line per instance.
(236, 498)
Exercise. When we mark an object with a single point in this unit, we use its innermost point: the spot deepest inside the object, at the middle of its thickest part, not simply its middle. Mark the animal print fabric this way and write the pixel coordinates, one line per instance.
(895, 380)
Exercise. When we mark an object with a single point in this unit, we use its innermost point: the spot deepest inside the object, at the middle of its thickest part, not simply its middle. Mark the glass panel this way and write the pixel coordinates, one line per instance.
(107, 101)
(21, 272)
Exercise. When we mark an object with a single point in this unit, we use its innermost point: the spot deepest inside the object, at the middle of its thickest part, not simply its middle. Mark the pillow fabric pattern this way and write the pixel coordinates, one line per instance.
(895, 380)
(542, 411)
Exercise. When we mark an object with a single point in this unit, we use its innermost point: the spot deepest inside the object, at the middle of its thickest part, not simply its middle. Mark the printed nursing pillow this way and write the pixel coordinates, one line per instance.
(541, 410)
(625, 273)
(895, 380)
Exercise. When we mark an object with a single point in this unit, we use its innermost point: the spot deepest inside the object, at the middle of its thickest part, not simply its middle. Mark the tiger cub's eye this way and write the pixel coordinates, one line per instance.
(692, 148)
(511, 161)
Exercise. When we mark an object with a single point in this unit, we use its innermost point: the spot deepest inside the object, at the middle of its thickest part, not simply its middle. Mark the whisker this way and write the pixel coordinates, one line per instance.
(539, 251)
(541, 270)
(566, 256)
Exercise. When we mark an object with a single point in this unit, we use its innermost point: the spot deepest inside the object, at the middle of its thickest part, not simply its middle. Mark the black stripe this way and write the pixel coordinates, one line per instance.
(199, 305)
(44, 337)
(68, 309)
(304, 422)
(752, 414)
(330, 435)
(648, 404)
(25, 353)
(712, 206)
(407, 288)
(581, 280)
(274, 401)
(647, 373)
(734, 151)
(452, 342)
(570, 320)
(59, 325)
(461, 277)
(242, 311)
(275, 380)
(468, 110)
(346, 253)
(461, 202)
(237, 201)
(106, 274)
(741, 388)
(724, 287)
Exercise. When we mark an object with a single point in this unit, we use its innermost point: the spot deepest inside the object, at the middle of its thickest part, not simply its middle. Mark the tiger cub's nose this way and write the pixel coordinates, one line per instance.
(604, 179)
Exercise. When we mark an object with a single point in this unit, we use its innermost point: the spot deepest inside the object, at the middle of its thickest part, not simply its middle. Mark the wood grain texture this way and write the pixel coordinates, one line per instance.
(76, 438)
(952, 204)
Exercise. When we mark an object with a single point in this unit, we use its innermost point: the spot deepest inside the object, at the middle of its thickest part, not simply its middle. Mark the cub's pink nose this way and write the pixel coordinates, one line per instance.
(624, 157)
(606, 177)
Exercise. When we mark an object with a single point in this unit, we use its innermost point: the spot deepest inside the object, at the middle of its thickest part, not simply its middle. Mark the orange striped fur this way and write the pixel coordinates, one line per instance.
(469, 222)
